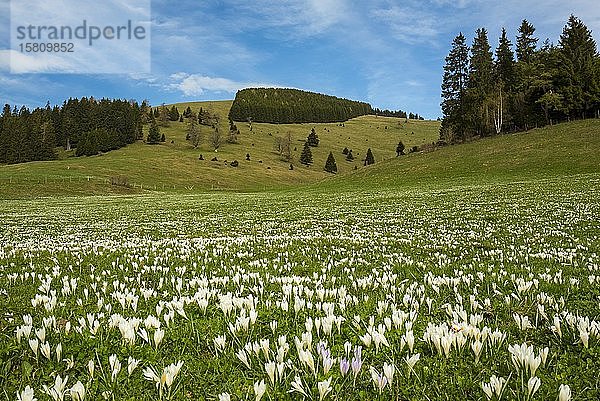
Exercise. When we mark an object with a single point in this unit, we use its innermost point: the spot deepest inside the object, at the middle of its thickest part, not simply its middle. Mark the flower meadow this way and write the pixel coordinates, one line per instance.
(474, 293)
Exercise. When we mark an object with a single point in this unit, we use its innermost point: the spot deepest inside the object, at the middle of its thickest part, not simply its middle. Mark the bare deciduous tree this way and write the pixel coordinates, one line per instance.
(215, 138)
(194, 134)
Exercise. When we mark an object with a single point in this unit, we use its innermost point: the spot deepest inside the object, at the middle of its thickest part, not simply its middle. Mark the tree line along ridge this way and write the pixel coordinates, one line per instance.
(291, 106)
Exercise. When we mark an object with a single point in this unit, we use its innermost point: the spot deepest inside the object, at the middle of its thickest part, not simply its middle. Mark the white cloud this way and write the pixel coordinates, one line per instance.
(196, 84)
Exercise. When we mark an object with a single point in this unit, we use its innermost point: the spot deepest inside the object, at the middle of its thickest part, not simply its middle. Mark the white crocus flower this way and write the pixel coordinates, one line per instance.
(90, 367)
(58, 351)
(533, 385)
(34, 345)
(150, 374)
(477, 346)
(412, 361)
(259, 389)
(171, 372)
(298, 387)
(388, 371)
(271, 367)
(115, 366)
(26, 395)
(57, 391)
(132, 363)
(564, 393)
(45, 350)
(242, 356)
(324, 388)
(159, 334)
(78, 391)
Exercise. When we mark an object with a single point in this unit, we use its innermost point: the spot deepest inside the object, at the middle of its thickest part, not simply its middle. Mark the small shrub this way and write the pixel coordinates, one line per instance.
(120, 181)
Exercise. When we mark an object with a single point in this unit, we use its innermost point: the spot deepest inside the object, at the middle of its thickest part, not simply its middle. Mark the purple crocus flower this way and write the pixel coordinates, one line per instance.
(356, 365)
(344, 366)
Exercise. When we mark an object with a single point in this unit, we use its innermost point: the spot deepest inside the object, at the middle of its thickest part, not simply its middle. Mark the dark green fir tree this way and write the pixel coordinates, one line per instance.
(330, 165)
(349, 156)
(306, 157)
(153, 133)
(369, 159)
(313, 138)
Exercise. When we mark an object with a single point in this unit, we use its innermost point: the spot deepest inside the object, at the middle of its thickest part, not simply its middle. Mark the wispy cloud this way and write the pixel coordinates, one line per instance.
(17, 62)
(299, 19)
(95, 36)
(409, 25)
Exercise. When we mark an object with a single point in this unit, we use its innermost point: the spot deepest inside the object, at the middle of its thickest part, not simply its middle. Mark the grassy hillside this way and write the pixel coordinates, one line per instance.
(551, 152)
(174, 165)
(557, 151)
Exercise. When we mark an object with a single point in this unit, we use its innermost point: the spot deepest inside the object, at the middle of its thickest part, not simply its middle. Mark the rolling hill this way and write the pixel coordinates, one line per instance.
(556, 151)
(174, 165)
(553, 152)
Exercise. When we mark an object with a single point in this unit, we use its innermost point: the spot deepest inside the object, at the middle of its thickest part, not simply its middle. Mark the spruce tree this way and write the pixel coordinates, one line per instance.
(526, 42)
(481, 85)
(174, 114)
(306, 155)
(505, 62)
(482, 64)
(349, 156)
(48, 139)
(527, 74)
(330, 165)
(313, 138)
(153, 133)
(369, 159)
(578, 78)
(504, 82)
(454, 84)
(5, 122)
(163, 116)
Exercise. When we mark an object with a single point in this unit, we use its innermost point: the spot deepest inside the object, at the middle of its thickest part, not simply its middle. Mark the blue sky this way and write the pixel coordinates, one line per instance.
(388, 53)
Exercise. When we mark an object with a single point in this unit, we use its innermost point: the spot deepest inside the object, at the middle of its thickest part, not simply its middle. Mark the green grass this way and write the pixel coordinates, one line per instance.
(488, 251)
(559, 151)
(489, 230)
(175, 166)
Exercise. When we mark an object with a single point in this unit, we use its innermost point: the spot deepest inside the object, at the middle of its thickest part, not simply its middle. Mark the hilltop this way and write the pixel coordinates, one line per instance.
(285, 106)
